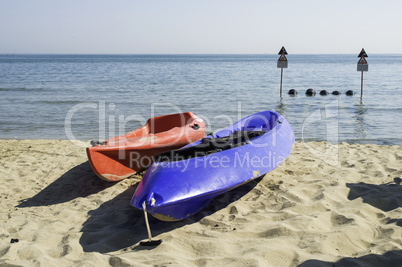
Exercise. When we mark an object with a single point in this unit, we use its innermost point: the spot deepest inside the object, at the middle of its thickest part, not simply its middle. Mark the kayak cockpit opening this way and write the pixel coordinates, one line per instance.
(210, 145)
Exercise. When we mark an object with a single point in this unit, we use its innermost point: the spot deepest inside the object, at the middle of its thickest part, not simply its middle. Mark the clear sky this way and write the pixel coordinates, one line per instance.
(200, 26)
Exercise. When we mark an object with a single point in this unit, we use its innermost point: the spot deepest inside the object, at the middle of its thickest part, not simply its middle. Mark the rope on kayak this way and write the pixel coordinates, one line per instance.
(152, 200)
(150, 242)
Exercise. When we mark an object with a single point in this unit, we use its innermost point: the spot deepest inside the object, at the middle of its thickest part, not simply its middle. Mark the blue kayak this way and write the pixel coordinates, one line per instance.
(182, 182)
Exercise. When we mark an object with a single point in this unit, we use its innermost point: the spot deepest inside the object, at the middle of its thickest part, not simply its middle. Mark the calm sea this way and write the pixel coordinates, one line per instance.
(98, 96)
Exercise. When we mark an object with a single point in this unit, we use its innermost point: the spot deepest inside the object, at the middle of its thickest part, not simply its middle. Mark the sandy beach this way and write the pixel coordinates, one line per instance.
(325, 204)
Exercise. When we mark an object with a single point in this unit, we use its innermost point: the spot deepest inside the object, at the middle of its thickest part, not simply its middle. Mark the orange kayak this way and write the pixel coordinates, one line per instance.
(122, 156)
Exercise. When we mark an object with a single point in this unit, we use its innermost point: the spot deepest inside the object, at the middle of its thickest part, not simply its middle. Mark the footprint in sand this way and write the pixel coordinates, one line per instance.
(338, 220)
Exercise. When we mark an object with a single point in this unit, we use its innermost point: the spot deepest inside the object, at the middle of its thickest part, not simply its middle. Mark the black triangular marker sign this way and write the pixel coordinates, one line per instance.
(362, 53)
(283, 51)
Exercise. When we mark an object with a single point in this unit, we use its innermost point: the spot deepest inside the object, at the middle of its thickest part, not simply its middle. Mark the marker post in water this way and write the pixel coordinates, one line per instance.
(282, 63)
(362, 66)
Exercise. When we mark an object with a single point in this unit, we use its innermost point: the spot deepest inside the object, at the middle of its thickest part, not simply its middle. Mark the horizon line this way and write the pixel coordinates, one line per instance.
(183, 54)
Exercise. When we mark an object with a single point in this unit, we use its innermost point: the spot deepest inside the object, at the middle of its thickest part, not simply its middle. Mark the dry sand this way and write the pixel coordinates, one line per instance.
(326, 204)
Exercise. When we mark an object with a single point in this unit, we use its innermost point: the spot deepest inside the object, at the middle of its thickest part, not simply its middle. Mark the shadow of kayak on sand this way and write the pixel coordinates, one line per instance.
(79, 181)
(116, 225)
(390, 258)
(385, 197)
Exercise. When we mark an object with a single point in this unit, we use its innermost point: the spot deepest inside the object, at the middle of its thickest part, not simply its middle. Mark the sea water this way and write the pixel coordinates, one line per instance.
(88, 97)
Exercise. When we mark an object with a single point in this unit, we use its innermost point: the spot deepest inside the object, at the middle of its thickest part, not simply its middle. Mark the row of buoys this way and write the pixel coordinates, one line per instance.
(311, 92)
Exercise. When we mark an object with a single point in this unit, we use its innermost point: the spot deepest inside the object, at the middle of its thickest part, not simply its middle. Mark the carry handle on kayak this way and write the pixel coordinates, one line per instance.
(195, 126)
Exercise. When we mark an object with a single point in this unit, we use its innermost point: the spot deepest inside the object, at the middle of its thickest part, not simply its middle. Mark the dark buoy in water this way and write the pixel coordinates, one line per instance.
(336, 93)
(310, 92)
(323, 92)
(350, 92)
(292, 92)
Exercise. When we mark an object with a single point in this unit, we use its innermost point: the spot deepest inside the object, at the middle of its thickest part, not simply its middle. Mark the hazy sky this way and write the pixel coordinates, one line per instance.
(200, 27)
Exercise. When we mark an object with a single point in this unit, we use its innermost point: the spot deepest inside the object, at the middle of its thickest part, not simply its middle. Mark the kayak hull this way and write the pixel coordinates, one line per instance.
(176, 189)
(123, 156)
